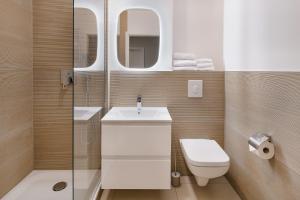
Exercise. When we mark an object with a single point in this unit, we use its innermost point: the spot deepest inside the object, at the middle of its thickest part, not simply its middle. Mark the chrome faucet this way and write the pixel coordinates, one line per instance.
(139, 104)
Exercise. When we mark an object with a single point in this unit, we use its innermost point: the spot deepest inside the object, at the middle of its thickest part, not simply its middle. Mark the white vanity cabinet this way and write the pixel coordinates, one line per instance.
(136, 149)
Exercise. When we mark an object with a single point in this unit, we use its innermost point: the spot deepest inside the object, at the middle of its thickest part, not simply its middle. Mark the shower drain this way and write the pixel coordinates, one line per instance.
(59, 186)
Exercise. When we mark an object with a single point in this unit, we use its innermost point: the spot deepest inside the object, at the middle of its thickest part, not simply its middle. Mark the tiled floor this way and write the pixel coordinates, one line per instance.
(217, 189)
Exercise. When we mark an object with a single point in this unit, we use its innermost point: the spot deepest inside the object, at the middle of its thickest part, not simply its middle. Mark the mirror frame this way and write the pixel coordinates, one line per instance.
(97, 7)
(164, 11)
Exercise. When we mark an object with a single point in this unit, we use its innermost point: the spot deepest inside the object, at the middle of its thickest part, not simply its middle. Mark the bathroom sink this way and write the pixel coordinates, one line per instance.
(130, 114)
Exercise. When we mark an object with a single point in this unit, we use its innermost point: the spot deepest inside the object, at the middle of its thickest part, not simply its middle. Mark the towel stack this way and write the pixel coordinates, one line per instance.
(186, 61)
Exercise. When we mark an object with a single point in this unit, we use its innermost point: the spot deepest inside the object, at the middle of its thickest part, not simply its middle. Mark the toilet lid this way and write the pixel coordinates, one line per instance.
(204, 152)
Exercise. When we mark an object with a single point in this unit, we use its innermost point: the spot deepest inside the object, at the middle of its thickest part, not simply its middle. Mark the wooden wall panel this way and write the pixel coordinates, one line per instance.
(53, 51)
(264, 102)
(16, 137)
(192, 117)
(89, 89)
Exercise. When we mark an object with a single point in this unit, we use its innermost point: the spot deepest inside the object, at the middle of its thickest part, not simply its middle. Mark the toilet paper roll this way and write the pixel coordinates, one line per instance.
(264, 150)
(260, 144)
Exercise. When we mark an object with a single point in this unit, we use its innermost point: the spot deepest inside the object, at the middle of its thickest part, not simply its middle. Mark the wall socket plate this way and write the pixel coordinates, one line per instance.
(195, 88)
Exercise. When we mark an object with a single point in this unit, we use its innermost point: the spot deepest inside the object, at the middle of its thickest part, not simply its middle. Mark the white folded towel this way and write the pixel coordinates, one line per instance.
(193, 69)
(212, 68)
(204, 60)
(205, 65)
(185, 68)
(184, 56)
(184, 63)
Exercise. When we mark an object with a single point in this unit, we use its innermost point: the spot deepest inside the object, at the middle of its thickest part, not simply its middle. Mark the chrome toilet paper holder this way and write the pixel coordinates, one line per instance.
(258, 138)
(261, 145)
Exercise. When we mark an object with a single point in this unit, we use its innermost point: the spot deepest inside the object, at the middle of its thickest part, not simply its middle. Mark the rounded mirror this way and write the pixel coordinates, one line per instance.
(138, 38)
(85, 37)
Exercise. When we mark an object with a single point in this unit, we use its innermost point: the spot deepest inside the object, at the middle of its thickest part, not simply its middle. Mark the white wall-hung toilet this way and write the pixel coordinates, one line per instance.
(205, 159)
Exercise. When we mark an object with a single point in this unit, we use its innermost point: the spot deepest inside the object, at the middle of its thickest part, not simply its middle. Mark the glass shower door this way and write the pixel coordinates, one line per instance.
(89, 98)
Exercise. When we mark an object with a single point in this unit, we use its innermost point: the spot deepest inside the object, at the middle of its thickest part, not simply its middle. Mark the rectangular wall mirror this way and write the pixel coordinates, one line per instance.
(138, 38)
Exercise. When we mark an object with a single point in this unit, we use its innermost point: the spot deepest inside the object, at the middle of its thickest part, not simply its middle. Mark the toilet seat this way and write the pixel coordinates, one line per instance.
(204, 153)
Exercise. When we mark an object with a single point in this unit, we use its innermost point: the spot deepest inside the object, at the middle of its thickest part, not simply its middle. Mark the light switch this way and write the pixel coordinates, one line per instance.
(195, 88)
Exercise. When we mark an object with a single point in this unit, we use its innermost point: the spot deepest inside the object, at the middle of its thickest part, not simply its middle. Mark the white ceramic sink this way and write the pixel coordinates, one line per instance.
(130, 114)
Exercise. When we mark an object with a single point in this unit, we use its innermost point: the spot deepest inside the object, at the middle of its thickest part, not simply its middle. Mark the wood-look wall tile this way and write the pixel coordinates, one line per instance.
(53, 34)
(53, 51)
(52, 121)
(16, 93)
(89, 89)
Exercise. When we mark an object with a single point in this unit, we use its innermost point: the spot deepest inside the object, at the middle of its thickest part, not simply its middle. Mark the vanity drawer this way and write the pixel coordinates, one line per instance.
(136, 140)
(136, 174)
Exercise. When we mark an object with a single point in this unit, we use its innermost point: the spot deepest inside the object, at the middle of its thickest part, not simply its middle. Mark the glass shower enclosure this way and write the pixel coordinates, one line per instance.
(89, 97)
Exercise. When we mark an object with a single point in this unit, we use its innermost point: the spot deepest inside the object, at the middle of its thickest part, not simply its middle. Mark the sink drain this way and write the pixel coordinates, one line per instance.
(59, 186)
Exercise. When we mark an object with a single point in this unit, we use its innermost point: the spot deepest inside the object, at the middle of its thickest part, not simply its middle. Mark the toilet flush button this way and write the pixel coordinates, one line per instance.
(195, 88)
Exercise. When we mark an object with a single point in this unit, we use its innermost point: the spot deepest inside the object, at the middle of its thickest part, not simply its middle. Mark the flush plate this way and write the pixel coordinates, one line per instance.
(195, 88)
